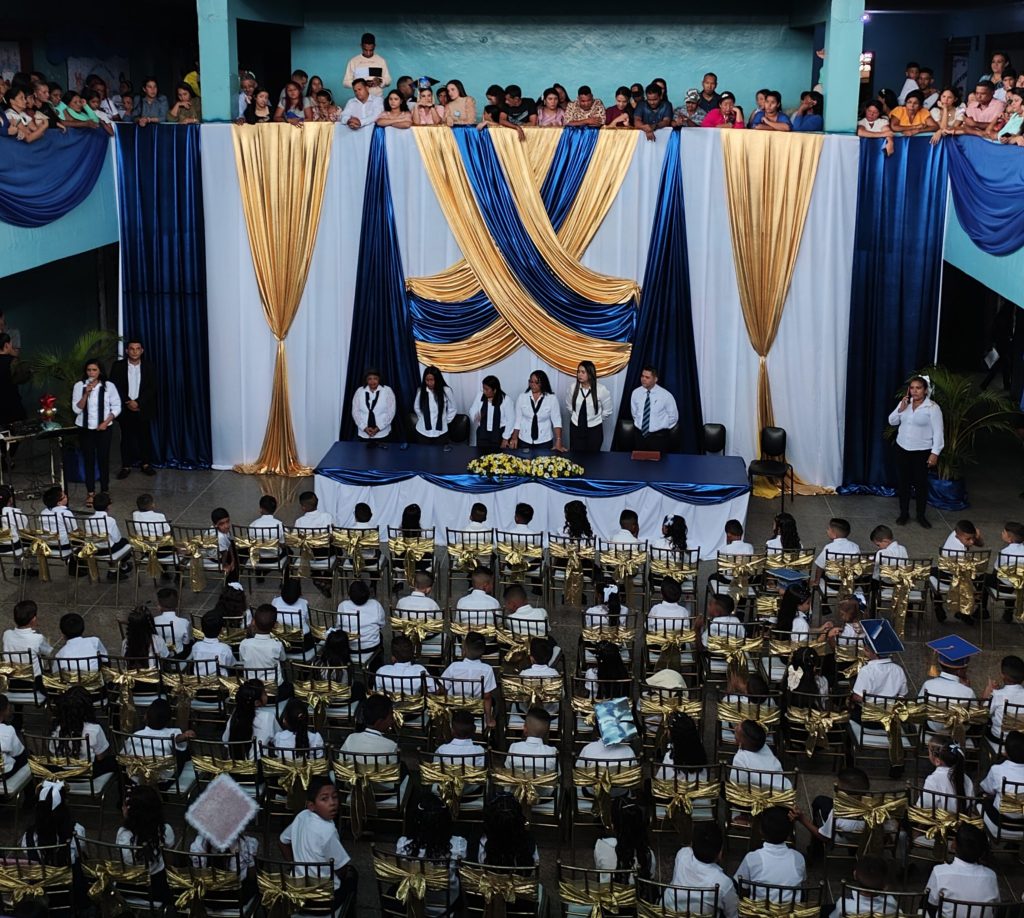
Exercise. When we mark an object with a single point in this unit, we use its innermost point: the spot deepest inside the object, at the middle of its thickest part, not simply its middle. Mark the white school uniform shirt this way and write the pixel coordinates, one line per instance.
(540, 671)
(416, 602)
(775, 544)
(952, 543)
(532, 752)
(837, 546)
(462, 751)
(154, 517)
(623, 535)
(776, 864)
(180, 627)
(993, 783)
(369, 742)
(89, 416)
(439, 421)
(939, 782)
(882, 676)
(473, 526)
(1010, 554)
(20, 640)
(315, 840)
(946, 685)
(284, 744)
(292, 617)
(1008, 694)
(673, 610)
(690, 872)
(15, 520)
(367, 112)
(664, 413)
(125, 837)
(477, 601)
(267, 521)
(724, 626)
(909, 85)
(528, 613)
(597, 750)
(595, 416)
(82, 648)
(383, 401)
(399, 677)
(865, 904)
(245, 848)
(762, 760)
(264, 727)
(523, 529)
(113, 530)
(549, 417)
(962, 881)
(919, 428)
(11, 746)
(60, 520)
(892, 552)
(97, 741)
(209, 651)
(370, 621)
(470, 669)
(262, 651)
(737, 548)
(315, 519)
(506, 416)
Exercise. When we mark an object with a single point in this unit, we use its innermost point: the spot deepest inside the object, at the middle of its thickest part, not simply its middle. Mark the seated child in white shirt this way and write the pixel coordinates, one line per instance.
(86, 651)
(211, 652)
(774, 863)
(173, 628)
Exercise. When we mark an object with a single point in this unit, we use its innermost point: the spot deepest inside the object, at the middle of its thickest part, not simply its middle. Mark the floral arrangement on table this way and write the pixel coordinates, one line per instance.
(500, 465)
(48, 410)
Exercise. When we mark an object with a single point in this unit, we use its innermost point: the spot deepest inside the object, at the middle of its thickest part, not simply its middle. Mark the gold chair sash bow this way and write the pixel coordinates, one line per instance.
(780, 647)
(583, 708)
(412, 885)
(150, 546)
(524, 785)
(892, 718)
(89, 679)
(615, 635)
(740, 570)
(465, 556)
(197, 549)
(602, 780)
(659, 910)
(734, 712)
(1012, 805)
(598, 898)
(361, 778)
(962, 571)
(874, 814)
(780, 562)
(283, 899)
(625, 566)
(758, 799)
(15, 671)
(670, 646)
(766, 606)
(498, 890)
(353, 542)
(735, 650)
(440, 708)
(183, 688)
(938, 824)
(853, 654)
(762, 908)
(255, 547)
(817, 725)
(659, 706)
(462, 629)
(31, 881)
(321, 694)
(47, 769)
(411, 550)
(902, 579)
(105, 876)
(956, 718)
(39, 546)
(676, 568)
(126, 679)
(513, 644)
(87, 547)
(192, 887)
(294, 776)
(307, 543)
(1013, 574)
(452, 781)
(405, 706)
(147, 769)
(532, 692)
(417, 629)
(678, 798)
(231, 684)
(846, 571)
(213, 765)
(574, 554)
(518, 559)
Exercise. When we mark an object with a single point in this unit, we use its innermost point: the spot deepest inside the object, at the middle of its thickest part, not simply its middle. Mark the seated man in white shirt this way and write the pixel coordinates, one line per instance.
(839, 543)
(522, 519)
(697, 867)
(24, 638)
(471, 676)
(312, 517)
(145, 512)
(478, 518)
(461, 750)
(102, 524)
(734, 543)
(263, 651)
(1010, 555)
(774, 863)
(964, 537)
(517, 607)
(889, 550)
(480, 599)
(654, 413)
(533, 751)
(881, 676)
(403, 674)
(364, 109)
(629, 527)
(175, 630)
(670, 607)
(419, 600)
(965, 879)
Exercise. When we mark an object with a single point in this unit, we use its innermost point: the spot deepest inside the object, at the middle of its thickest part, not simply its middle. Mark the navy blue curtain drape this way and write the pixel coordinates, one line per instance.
(163, 268)
(894, 303)
(987, 181)
(664, 335)
(381, 326)
(42, 181)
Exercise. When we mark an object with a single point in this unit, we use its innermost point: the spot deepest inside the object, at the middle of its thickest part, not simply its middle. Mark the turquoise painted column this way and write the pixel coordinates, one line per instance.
(840, 73)
(218, 59)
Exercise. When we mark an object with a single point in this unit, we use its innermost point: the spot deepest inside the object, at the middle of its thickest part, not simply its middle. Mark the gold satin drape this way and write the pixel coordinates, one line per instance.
(769, 179)
(522, 320)
(282, 173)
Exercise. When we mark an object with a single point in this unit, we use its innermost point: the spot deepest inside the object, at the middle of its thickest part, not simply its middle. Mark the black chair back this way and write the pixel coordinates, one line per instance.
(625, 433)
(773, 442)
(458, 429)
(714, 438)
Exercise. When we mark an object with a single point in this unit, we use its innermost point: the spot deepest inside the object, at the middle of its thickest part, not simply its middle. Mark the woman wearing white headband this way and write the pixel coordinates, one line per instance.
(919, 441)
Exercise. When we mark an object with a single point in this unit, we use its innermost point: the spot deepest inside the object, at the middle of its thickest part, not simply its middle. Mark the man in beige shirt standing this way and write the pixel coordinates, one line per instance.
(368, 65)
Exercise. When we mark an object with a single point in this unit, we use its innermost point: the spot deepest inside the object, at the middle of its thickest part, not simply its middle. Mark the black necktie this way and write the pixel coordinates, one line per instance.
(582, 422)
(535, 426)
(371, 417)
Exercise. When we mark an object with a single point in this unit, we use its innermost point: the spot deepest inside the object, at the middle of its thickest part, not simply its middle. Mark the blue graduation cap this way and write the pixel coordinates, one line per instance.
(787, 577)
(881, 637)
(953, 651)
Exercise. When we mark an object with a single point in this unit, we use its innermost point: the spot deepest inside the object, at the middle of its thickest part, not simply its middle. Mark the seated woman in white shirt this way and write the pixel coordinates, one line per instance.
(874, 124)
(435, 407)
(785, 536)
(538, 422)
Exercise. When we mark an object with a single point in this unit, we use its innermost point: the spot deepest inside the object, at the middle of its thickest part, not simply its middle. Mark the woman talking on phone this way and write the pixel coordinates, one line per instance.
(96, 404)
(919, 441)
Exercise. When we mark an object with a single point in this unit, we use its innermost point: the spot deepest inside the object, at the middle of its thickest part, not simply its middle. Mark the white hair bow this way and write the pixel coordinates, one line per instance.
(793, 676)
(610, 591)
(53, 788)
(956, 749)
(928, 382)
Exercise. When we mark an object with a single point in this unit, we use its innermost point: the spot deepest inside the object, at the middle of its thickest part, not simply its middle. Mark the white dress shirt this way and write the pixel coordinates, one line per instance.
(892, 552)
(1000, 771)
(416, 602)
(476, 601)
(857, 903)
(946, 685)
(89, 417)
(209, 651)
(404, 677)
(267, 521)
(15, 520)
(475, 670)
(1008, 694)
(883, 677)
(82, 648)
(598, 751)
(549, 417)
(952, 543)
(439, 420)
(964, 882)
(383, 401)
(737, 548)
(763, 760)
(292, 617)
(21, 640)
(532, 753)
(134, 380)
(1010, 554)
(284, 742)
(595, 417)
(462, 752)
(264, 727)
(125, 838)
(368, 619)
(939, 782)
(180, 627)
(315, 840)
(670, 610)
(11, 746)
(506, 416)
(367, 112)
(688, 871)
(369, 742)
(840, 546)
(315, 519)
(528, 613)
(664, 413)
(154, 518)
(779, 865)
(262, 651)
(94, 741)
(919, 428)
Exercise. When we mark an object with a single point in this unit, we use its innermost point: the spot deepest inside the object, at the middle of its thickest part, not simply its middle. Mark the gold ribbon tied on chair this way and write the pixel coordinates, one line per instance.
(404, 706)
(1013, 574)
(86, 546)
(39, 548)
(615, 634)
(677, 568)
(782, 647)
(782, 561)
(961, 598)
(583, 708)
(758, 799)
(659, 706)
(451, 781)
(237, 768)
(598, 898)
(284, 896)
(321, 694)
(670, 646)
(817, 725)
(956, 718)
(1011, 805)
(20, 672)
(255, 547)
(183, 688)
(735, 650)
(573, 554)
(601, 780)
(625, 566)
(892, 718)
(31, 881)
(49, 769)
(61, 680)
(902, 579)
(461, 629)
(294, 776)
(125, 680)
(361, 778)
(147, 769)
(150, 546)
(532, 692)
(306, 543)
(412, 885)
(498, 890)
(197, 549)
(417, 629)
(411, 550)
(524, 785)
(105, 876)
(735, 712)
(937, 824)
(518, 559)
(513, 644)
(873, 812)
(852, 653)
(740, 569)
(678, 798)
(465, 556)
(846, 571)
(766, 606)
(192, 887)
(440, 708)
(660, 910)
(353, 542)
(762, 908)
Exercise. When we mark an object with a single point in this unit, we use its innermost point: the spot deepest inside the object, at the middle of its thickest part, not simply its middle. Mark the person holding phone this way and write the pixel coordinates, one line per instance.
(919, 441)
(369, 66)
(95, 404)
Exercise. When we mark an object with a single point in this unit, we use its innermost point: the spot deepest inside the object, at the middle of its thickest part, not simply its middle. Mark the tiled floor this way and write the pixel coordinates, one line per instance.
(188, 497)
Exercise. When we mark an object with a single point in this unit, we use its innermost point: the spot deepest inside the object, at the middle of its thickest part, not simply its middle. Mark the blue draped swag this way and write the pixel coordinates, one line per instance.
(381, 326)
(894, 303)
(446, 323)
(987, 181)
(664, 336)
(163, 269)
(42, 181)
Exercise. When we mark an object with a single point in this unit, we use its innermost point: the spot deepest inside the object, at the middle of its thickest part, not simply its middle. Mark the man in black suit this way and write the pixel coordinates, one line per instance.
(135, 379)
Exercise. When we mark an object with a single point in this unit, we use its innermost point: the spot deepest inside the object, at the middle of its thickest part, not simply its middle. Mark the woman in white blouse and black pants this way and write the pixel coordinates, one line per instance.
(96, 404)
(435, 408)
(589, 403)
(496, 417)
(919, 440)
(538, 417)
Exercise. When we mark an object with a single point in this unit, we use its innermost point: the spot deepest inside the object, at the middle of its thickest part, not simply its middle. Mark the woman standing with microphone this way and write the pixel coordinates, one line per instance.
(95, 405)
(589, 404)
(919, 440)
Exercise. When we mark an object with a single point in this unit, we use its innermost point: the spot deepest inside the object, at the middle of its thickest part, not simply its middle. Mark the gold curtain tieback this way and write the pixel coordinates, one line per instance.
(677, 570)
(88, 549)
(461, 629)
(255, 547)
(307, 543)
(412, 884)
(892, 718)
(662, 709)
(150, 545)
(197, 549)
(598, 898)
(962, 572)
(616, 635)
(817, 724)
(106, 873)
(294, 776)
(353, 542)
(734, 650)
(758, 799)
(440, 708)
(126, 679)
(360, 779)
(778, 647)
(321, 695)
(777, 562)
(957, 717)
(147, 769)
(1012, 805)
(938, 824)
(418, 629)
